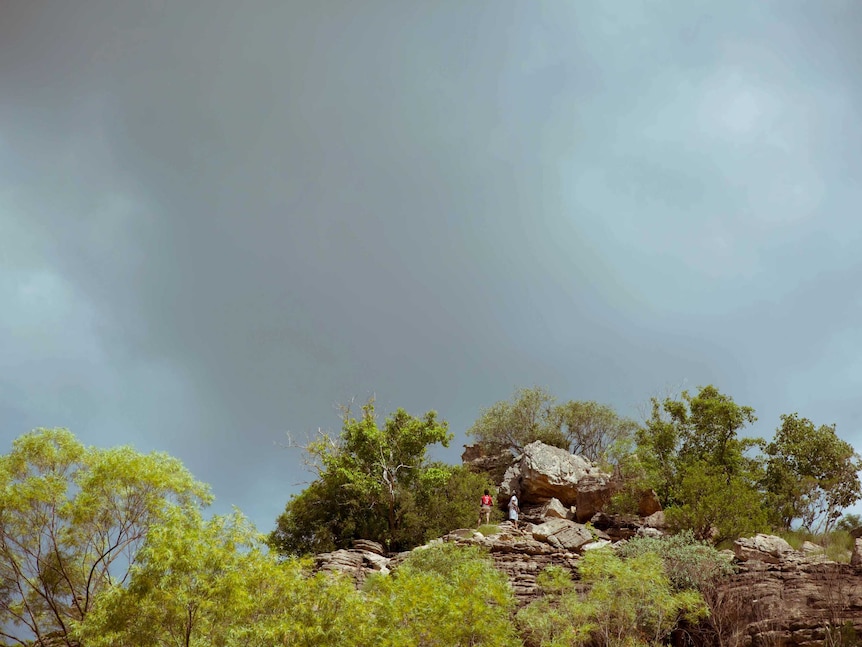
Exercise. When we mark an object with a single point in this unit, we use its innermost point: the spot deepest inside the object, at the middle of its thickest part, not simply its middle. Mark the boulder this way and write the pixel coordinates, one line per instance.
(542, 473)
(649, 503)
(563, 534)
(594, 491)
(656, 520)
(478, 459)
(764, 548)
(555, 509)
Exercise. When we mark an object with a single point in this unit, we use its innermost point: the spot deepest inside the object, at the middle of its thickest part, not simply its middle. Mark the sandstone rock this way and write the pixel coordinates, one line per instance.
(354, 562)
(656, 520)
(648, 504)
(563, 534)
(593, 545)
(369, 546)
(543, 472)
(594, 491)
(856, 556)
(476, 459)
(761, 547)
(646, 531)
(554, 508)
(542, 531)
(810, 548)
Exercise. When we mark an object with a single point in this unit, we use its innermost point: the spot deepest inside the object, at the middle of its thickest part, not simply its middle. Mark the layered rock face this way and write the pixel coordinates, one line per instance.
(780, 596)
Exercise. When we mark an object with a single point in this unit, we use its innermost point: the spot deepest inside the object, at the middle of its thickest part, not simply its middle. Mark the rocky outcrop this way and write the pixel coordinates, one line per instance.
(543, 472)
(365, 557)
(478, 459)
(785, 597)
(762, 548)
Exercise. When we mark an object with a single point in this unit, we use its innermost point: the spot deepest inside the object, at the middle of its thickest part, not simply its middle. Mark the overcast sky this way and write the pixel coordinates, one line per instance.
(220, 219)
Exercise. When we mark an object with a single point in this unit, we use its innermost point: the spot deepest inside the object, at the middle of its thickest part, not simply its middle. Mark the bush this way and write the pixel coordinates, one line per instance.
(443, 595)
(689, 563)
(629, 602)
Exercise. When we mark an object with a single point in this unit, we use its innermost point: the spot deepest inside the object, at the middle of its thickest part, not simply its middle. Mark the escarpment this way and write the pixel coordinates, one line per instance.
(777, 595)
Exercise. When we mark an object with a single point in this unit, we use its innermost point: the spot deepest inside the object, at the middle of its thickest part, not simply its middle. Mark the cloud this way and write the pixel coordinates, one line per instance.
(220, 222)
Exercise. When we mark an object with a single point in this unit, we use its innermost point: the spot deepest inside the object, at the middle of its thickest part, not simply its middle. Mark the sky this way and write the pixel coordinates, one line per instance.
(220, 220)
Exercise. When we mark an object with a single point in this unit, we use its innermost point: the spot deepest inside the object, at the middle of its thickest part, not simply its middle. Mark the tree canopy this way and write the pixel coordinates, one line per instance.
(811, 474)
(586, 428)
(376, 482)
(72, 519)
(692, 454)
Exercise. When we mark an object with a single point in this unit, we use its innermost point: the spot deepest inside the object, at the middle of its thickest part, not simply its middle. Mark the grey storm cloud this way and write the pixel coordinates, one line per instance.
(219, 220)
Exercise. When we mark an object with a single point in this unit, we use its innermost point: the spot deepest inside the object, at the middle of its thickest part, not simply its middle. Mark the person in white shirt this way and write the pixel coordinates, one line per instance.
(514, 510)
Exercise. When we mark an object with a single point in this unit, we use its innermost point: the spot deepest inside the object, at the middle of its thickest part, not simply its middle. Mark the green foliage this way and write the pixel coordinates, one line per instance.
(811, 474)
(849, 522)
(554, 580)
(586, 428)
(375, 482)
(211, 582)
(72, 519)
(592, 430)
(689, 451)
(688, 562)
(446, 501)
(703, 494)
(514, 424)
(442, 596)
(628, 602)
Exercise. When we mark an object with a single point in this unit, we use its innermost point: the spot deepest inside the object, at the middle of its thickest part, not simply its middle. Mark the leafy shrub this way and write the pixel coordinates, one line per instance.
(689, 563)
(554, 580)
(443, 595)
(628, 603)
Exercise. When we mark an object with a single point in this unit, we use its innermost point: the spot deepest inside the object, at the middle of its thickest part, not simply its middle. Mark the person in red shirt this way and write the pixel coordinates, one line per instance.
(485, 508)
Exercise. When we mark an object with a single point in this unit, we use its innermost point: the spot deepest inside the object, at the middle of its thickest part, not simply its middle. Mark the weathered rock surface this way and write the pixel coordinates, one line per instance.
(476, 459)
(542, 473)
(856, 557)
(554, 508)
(649, 503)
(764, 548)
(792, 602)
(356, 563)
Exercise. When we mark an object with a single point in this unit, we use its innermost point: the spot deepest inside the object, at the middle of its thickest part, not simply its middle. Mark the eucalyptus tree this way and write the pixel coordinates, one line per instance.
(72, 520)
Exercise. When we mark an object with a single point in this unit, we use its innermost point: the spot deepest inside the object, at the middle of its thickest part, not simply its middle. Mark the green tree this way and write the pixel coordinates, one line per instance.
(514, 424)
(592, 429)
(367, 480)
(446, 497)
(691, 453)
(586, 428)
(628, 602)
(811, 474)
(72, 519)
(202, 583)
(715, 505)
(442, 596)
(849, 522)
